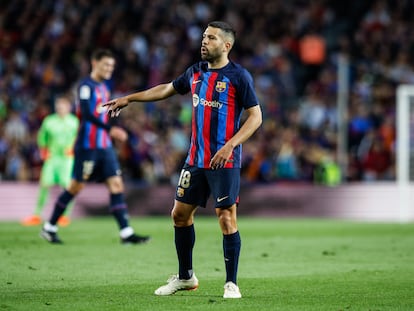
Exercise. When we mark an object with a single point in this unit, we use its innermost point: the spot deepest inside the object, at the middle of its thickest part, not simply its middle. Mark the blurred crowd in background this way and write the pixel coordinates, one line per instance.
(292, 49)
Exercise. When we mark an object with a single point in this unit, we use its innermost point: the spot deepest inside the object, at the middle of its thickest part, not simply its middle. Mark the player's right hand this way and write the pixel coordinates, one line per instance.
(115, 106)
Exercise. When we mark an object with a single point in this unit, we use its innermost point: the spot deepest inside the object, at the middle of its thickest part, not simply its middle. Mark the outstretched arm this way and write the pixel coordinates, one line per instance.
(155, 93)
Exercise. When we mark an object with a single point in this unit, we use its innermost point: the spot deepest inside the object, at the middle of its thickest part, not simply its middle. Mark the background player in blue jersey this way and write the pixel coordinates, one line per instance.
(95, 158)
(221, 90)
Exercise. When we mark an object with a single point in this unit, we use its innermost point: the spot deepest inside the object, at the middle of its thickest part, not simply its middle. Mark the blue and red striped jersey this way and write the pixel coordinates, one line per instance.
(219, 97)
(94, 128)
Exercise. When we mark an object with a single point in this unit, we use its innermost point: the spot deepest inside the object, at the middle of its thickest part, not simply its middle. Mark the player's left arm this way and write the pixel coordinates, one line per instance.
(252, 123)
(42, 140)
(88, 114)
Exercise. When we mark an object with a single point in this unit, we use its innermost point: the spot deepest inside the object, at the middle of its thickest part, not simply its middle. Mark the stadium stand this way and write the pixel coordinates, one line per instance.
(45, 45)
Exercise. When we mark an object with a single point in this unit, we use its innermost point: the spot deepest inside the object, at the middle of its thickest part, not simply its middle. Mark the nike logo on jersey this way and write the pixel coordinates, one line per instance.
(222, 198)
(196, 81)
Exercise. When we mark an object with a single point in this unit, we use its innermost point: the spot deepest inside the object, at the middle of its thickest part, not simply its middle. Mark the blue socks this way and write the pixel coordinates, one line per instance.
(184, 244)
(118, 208)
(231, 250)
(60, 206)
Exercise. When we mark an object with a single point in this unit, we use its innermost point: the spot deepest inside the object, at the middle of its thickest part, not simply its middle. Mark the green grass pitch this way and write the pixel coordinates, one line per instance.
(286, 264)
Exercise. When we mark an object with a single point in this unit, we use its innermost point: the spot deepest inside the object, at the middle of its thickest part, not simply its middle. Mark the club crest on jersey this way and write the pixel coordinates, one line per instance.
(180, 192)
(221, 86)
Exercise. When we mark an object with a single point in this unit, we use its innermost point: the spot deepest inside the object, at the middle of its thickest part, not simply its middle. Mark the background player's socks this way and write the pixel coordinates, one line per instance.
(184, 244)
(231, 250)
(118, 208)
(60, 206)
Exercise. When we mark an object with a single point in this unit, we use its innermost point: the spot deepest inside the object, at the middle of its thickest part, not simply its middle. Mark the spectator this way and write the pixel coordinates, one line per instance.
(377, 163)
(50, 55)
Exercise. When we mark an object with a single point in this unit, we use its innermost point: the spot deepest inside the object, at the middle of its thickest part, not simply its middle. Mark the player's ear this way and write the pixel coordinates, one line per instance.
(227, 46)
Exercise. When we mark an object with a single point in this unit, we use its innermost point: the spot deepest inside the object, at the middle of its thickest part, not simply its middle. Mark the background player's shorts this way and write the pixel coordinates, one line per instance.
(196, 184)
(95, 165)
(56, 171)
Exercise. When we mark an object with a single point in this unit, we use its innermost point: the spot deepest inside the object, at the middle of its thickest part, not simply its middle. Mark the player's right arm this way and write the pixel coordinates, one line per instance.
(155, 93)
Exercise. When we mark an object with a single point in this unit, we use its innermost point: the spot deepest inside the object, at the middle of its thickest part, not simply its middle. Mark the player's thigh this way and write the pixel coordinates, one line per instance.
(65, 172)
(225, 186)
(192, 187)
(84, 165)
(108, 165)
(47, 174)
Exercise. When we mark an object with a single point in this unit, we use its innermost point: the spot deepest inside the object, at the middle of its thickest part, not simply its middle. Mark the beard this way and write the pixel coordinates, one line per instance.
(210, 56)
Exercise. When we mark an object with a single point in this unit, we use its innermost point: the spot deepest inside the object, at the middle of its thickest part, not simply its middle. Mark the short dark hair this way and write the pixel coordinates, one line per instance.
(224, 27)
(101, 53)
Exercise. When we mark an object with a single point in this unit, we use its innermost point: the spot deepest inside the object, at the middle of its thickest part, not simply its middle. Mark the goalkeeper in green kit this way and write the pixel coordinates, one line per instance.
(55, 139)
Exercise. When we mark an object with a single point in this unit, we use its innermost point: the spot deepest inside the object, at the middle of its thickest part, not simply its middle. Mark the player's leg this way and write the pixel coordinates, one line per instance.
(192, 191)
(231, 248)
(50, 228)
(45, 182)
(82, 170)
(118, 208)
(184, 238)
(225, 187)
(64, 179)
(42, 197)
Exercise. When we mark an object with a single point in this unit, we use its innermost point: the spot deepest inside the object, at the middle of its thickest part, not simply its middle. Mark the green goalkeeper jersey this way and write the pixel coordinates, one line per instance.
(57, 134)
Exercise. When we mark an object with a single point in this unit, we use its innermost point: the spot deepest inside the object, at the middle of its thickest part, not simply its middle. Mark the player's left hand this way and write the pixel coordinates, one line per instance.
(115, 106)
(221, 157)
(44, 154)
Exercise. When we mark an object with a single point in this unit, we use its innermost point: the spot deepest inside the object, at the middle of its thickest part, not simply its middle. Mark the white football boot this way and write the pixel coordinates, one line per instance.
(174, 284)
(231, 290)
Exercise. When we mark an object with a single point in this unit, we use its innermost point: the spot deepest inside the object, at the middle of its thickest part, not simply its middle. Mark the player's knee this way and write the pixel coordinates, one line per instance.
(75, 187)
(115, 185)
(181, 217)
(117, 188)
(227, 221)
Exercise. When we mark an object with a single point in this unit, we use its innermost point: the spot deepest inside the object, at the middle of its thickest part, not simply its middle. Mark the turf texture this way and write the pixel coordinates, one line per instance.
(286, 264)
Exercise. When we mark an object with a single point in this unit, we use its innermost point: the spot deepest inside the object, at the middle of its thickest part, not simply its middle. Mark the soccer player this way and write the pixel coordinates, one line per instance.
(221, 90)
(95, 158)
(55, 139)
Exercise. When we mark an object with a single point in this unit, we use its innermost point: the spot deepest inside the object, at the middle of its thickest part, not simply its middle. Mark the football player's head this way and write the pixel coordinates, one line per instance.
(62, 105)
(218, 39)
(103, 64)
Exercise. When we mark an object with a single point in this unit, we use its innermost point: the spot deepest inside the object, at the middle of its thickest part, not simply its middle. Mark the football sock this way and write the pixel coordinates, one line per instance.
(60, 206)
(118, 208)
(41, 200)
(184, 244)
(231, 250)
